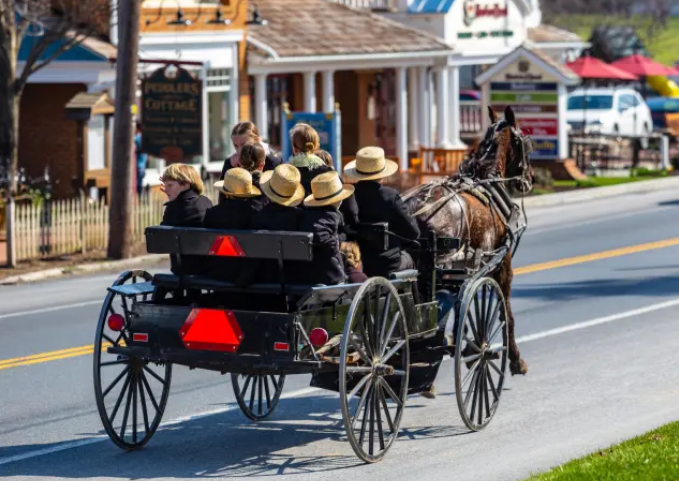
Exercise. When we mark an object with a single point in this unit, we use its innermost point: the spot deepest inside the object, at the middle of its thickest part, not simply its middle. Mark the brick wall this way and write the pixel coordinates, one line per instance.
(46, 138)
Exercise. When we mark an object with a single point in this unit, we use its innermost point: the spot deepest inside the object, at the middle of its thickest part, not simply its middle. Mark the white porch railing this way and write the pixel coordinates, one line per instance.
(470, 117)
(368, 4)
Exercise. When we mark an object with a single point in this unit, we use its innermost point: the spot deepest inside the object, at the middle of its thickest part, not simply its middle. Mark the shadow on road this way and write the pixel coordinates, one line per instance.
(220, 445)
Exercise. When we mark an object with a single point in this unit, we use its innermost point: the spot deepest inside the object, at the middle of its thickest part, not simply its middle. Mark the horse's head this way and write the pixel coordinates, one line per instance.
(503, 152)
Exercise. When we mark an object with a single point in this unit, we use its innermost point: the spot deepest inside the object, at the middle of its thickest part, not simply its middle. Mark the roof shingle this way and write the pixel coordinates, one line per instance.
(551, 34)
(299, 28)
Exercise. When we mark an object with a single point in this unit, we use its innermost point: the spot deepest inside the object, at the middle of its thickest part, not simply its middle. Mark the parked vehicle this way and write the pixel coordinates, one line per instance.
(660, 107)
(609, 111)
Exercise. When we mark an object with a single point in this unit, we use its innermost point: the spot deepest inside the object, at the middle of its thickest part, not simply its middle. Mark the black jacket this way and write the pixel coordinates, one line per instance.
(377, 203)
(187, 210)
(276, 217)
(327, 266)
(270, 163)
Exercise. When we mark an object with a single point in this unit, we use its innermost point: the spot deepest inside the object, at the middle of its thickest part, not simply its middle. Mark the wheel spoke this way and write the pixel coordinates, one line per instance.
(358, 386)
(259, 395)
(473, 357)
(120, 398)
(365, 416)
(252, 394)
(492, 318)
(470, 389)
(392, 351)
(488, 312)
(398, 372)
(496, 395)
(471, 371)
(496, 369)
(394, 322)
(274, 382)
(150, 393)
(471, 344)
(113, 363)
(268, 394)
(359, 369)
(158, 378)
(361, 403)
(126, 413)
(116, 381)
(371, 435)
(144, 409)
(111, 341)
(478, 310)
(391, 392)
(383, 400)
(480, 393)
(134, 410)
(245, 387)
(497, 330)
(380, 432)
(384, 318)
(367, 359)
(363, 329)
(486, 398)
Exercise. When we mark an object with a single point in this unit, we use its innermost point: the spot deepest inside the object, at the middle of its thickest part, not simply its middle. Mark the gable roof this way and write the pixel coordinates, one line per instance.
(314, 28)
(550, 34)
(89, 50)
(430, 6)
(527, 50)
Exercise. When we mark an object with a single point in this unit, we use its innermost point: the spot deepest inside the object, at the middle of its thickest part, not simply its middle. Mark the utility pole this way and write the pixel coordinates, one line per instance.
(120, 226)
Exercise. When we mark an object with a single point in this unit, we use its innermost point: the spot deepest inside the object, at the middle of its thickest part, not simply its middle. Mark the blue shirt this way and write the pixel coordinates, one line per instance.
(141, 158)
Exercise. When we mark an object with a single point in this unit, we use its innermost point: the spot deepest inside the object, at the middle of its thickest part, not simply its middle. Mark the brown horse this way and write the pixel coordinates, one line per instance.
(443, 208)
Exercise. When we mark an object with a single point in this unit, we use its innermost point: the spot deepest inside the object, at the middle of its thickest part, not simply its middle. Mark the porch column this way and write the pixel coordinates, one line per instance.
(329, 91)
(310, 92)
(402, 118)
(454, 80)
(442, 93)
(261, 117)
(424, 106)
(413, 115)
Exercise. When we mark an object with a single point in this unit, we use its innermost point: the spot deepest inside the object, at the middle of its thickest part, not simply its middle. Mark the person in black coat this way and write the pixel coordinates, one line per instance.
(285, 192)
(186, 207)
(349, 207)
(321, 217)
(377, 203)
(241, 134)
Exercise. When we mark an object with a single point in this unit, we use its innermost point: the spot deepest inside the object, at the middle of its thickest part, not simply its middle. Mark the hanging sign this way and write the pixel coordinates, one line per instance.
(545, 148)
(171, 115)
(539, 127)
(473, 9)
(329, 128)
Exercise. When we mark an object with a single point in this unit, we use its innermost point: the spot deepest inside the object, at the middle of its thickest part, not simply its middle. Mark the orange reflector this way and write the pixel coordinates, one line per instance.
(140, 337)
(211, 330)
(226, 246)
(281, 346)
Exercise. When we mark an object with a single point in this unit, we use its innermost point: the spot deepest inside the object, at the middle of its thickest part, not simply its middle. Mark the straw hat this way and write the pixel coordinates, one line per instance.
(282, 185)
(326, 189)
(238, 183)
(370, 164)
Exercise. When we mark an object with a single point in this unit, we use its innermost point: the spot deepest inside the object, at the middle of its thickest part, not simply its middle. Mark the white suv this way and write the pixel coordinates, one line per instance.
(609, 111)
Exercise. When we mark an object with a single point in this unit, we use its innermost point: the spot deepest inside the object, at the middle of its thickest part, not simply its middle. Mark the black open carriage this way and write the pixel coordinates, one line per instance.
(374, 343)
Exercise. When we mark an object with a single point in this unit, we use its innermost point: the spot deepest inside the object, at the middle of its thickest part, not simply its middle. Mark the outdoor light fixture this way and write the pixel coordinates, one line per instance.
(180, 20)
(219, 19)
(256, 18)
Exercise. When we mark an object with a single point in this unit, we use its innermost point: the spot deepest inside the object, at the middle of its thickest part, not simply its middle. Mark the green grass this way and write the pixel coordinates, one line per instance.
(654, 456)
(641, 174)
(662, 44)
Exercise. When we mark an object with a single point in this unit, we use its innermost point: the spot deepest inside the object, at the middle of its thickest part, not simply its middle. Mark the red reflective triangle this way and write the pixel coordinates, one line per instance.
(211, 330)
(226, 246)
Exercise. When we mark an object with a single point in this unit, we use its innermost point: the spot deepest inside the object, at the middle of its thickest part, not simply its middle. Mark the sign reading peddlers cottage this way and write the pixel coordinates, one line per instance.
(172, 114)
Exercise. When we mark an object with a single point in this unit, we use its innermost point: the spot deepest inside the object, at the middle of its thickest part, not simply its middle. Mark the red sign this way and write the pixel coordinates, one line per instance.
(539, 127)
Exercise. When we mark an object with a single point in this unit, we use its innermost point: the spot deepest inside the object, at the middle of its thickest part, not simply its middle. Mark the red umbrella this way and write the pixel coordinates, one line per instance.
(593, 68)
(642, 66)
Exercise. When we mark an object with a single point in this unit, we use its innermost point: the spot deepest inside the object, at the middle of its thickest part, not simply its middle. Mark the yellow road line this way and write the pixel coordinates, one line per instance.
(597, 256)
(86, 350)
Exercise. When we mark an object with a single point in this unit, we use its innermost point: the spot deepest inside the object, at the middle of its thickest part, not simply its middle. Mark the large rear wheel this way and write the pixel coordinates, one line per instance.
(131, 393)
(374, 369)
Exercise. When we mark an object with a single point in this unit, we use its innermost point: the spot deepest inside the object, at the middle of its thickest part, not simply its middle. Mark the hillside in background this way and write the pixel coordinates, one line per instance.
(661, 41)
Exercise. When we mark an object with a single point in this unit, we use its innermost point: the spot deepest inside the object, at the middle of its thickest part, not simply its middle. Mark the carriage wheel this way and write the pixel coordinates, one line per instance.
(374, 368)
(481, 352)
(257, 395)
(131, 393)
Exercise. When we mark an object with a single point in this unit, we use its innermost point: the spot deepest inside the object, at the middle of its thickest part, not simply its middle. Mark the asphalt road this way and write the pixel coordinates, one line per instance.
(599, 336)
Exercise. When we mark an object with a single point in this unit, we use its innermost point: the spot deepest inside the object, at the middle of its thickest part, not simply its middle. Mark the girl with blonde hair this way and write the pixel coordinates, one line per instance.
(305, 142)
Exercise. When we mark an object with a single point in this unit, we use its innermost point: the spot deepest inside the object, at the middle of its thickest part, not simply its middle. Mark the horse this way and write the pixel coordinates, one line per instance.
(445, 209)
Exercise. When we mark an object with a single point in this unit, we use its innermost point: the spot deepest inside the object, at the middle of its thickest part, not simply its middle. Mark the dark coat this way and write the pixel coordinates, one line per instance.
(187, 210)
(270, 163)
(327, 266)
(354, 276)
(308, 175)
(377, 203)
(276, 217)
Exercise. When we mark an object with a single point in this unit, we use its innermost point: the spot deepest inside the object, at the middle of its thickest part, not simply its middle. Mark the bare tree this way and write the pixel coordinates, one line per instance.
(56, 27)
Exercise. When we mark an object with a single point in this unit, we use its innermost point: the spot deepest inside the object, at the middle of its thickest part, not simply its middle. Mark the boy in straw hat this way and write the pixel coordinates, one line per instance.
(322, 218)
(377, 203)
(242, 201)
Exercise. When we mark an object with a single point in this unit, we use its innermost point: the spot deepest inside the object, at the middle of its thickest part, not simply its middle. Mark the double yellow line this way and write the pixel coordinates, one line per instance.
(87, 350)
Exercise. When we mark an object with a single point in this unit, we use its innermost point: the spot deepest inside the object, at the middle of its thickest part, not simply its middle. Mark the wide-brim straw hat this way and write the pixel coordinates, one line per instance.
(283, 185)
(370, 164)
(327, 189)
(238, 183)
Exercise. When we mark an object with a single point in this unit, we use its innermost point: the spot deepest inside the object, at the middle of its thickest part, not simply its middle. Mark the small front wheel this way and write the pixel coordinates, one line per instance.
(257, 394)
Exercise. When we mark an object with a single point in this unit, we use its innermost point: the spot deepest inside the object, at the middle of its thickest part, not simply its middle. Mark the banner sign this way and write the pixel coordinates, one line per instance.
(171, 114)
(524, 97)
(328, 126)
(526, 109)
(545, 148)
(523, 86)
(539, 127)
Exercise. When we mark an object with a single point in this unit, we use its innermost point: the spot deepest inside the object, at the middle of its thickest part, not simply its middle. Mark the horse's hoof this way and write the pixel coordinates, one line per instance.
(430, 394)
(518, 367)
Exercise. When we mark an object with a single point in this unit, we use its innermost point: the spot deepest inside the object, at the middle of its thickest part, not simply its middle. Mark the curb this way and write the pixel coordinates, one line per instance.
(565, 198)
(83, 268)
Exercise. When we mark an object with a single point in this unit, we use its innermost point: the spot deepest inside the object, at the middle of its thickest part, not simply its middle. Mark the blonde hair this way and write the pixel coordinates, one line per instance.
(352, 253)
(325, 156)
(252, 156)
(305, 138)
(184, 174)
(245, 128)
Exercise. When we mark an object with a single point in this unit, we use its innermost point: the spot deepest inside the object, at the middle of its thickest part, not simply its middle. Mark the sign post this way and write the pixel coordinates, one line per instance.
(327, 124)
(171, 114)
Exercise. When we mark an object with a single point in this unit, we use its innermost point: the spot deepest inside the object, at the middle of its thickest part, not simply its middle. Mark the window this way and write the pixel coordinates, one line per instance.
(96, 143)
(626, 101)
(590, 102)
(218, 125)
(278, 91)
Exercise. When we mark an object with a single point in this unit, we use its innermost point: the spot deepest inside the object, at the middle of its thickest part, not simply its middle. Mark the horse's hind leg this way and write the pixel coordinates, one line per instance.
(504, 278)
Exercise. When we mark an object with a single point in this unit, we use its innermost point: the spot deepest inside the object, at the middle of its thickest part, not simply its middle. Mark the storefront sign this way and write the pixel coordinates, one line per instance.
(481, 35)
(539, 127)
(172, 127)
(545, 148)
(523, 86)
(523, 97)
(473, 9)
(526, 109)
(328, 126)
